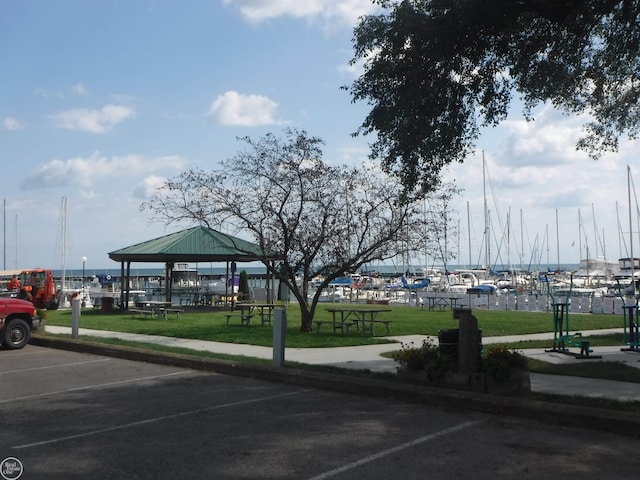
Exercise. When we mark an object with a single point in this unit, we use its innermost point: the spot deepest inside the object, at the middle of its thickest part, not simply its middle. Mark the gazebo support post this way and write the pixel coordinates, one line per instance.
(128, 281)
(122, 285)
(167, 287)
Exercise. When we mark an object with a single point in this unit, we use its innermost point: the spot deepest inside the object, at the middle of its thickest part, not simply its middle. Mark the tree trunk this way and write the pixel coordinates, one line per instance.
(306, 322)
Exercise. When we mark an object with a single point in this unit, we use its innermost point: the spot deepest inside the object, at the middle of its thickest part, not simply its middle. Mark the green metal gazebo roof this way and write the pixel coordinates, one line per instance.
(196, 244)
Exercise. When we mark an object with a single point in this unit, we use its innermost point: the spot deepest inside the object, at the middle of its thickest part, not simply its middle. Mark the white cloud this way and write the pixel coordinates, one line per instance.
(548, 140)
(233, 108)
(93, 121)
(13, 124)
(79, 89)
(85, 172)
(344, 12)
(535, 175)
(147, 187)
(48, 94)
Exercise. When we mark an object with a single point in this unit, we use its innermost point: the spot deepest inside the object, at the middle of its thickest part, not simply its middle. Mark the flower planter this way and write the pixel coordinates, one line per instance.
(470, 382)
(412, 376)
(518, 383)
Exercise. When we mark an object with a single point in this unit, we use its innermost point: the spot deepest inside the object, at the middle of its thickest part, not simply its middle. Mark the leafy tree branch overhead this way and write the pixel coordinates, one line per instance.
(437, 71)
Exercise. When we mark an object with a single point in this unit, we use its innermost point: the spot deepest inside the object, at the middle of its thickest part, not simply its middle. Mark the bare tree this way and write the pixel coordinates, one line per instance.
(324, 220)
(440, 222)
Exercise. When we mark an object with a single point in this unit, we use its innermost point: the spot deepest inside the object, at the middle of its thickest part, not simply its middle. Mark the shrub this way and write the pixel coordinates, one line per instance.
(500, 361)
(411, 357)
(426, 357)
(243, 286)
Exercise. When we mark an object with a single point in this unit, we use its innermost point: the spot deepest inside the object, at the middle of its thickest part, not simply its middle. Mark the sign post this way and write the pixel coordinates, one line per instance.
(279, 336)
(75, 317)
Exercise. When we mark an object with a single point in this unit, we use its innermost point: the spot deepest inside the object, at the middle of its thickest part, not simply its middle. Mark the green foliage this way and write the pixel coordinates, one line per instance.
(414, 358)
(436, 71)
(500, 361)
(427, 357)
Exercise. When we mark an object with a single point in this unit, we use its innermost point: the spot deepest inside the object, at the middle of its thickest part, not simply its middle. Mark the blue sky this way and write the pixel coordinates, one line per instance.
(102, 100)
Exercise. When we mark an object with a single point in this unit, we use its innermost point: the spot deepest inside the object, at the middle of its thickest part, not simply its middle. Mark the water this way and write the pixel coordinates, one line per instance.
(261, 270)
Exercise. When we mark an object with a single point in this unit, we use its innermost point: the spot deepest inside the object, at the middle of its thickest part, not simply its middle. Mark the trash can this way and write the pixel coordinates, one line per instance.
(106, 304)
(448, 341)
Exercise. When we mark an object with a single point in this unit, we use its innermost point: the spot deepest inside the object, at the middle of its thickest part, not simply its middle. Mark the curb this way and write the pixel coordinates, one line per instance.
(622, 423)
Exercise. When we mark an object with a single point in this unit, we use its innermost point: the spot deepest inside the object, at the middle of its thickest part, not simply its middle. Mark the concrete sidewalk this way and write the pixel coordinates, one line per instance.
(369, 357)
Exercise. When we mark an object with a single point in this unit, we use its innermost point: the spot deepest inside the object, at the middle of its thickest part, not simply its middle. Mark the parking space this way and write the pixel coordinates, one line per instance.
(69, 415)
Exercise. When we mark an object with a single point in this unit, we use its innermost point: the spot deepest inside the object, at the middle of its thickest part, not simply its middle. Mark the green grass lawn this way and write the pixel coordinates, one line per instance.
(211, 325)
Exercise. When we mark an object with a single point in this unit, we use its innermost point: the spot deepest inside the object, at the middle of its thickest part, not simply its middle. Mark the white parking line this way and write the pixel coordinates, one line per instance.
(33, 369)
(396, 449)
(89, 387)
(154, 420)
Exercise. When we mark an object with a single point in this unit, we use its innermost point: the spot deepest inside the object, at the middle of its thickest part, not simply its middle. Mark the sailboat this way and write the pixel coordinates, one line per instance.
(628, 278)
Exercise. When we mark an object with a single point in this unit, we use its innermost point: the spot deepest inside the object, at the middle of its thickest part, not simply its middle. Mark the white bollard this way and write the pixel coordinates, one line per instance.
(75, 317)
(279, 336)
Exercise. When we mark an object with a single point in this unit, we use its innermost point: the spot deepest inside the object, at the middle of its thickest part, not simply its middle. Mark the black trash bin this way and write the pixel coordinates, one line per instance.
(449, 339)
(448, 342)
(106, 304)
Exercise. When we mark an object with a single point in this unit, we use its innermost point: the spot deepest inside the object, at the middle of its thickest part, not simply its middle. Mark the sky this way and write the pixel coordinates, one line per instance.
(101, 101)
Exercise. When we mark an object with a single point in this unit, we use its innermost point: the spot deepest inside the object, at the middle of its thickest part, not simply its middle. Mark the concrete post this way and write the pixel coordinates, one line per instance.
(279, 336)
(75, 317)
(468, 351)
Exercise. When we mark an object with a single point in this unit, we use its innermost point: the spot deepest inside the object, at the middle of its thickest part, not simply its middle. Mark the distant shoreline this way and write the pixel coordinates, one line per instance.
(159, 271)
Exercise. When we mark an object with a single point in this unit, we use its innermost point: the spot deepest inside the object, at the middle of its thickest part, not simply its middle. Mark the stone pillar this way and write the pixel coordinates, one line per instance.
(279, 336)
(468, 341)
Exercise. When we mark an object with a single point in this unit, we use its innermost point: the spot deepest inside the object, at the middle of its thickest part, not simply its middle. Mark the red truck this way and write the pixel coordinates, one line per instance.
(18, 318)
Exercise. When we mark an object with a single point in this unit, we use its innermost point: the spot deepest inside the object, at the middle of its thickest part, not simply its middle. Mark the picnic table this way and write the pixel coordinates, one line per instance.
(364, 318)
(155, 307)
(440, 302)
(263, 310)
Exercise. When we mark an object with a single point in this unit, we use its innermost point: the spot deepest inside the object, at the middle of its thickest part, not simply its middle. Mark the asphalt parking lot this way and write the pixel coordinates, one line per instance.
(73, 415)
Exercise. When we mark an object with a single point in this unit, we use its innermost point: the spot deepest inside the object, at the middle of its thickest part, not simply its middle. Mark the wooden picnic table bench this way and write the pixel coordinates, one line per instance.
(141, 312)
(335, 325)
(245, 319)
(386, 323)
(264, 310)
(166, 311)
(360, 316)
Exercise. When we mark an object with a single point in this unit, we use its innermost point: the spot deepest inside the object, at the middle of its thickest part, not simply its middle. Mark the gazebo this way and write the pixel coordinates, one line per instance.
(193, 245)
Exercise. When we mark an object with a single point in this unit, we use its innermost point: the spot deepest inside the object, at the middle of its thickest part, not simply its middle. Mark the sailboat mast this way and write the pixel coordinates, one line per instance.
(487, 251)
(16, 241)
(579, 235)
(4, 233)
(509, 239)
(595, 230)
(63, 241)
(633, 283)
(557, 241)
(469, 233)
(521, 240)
